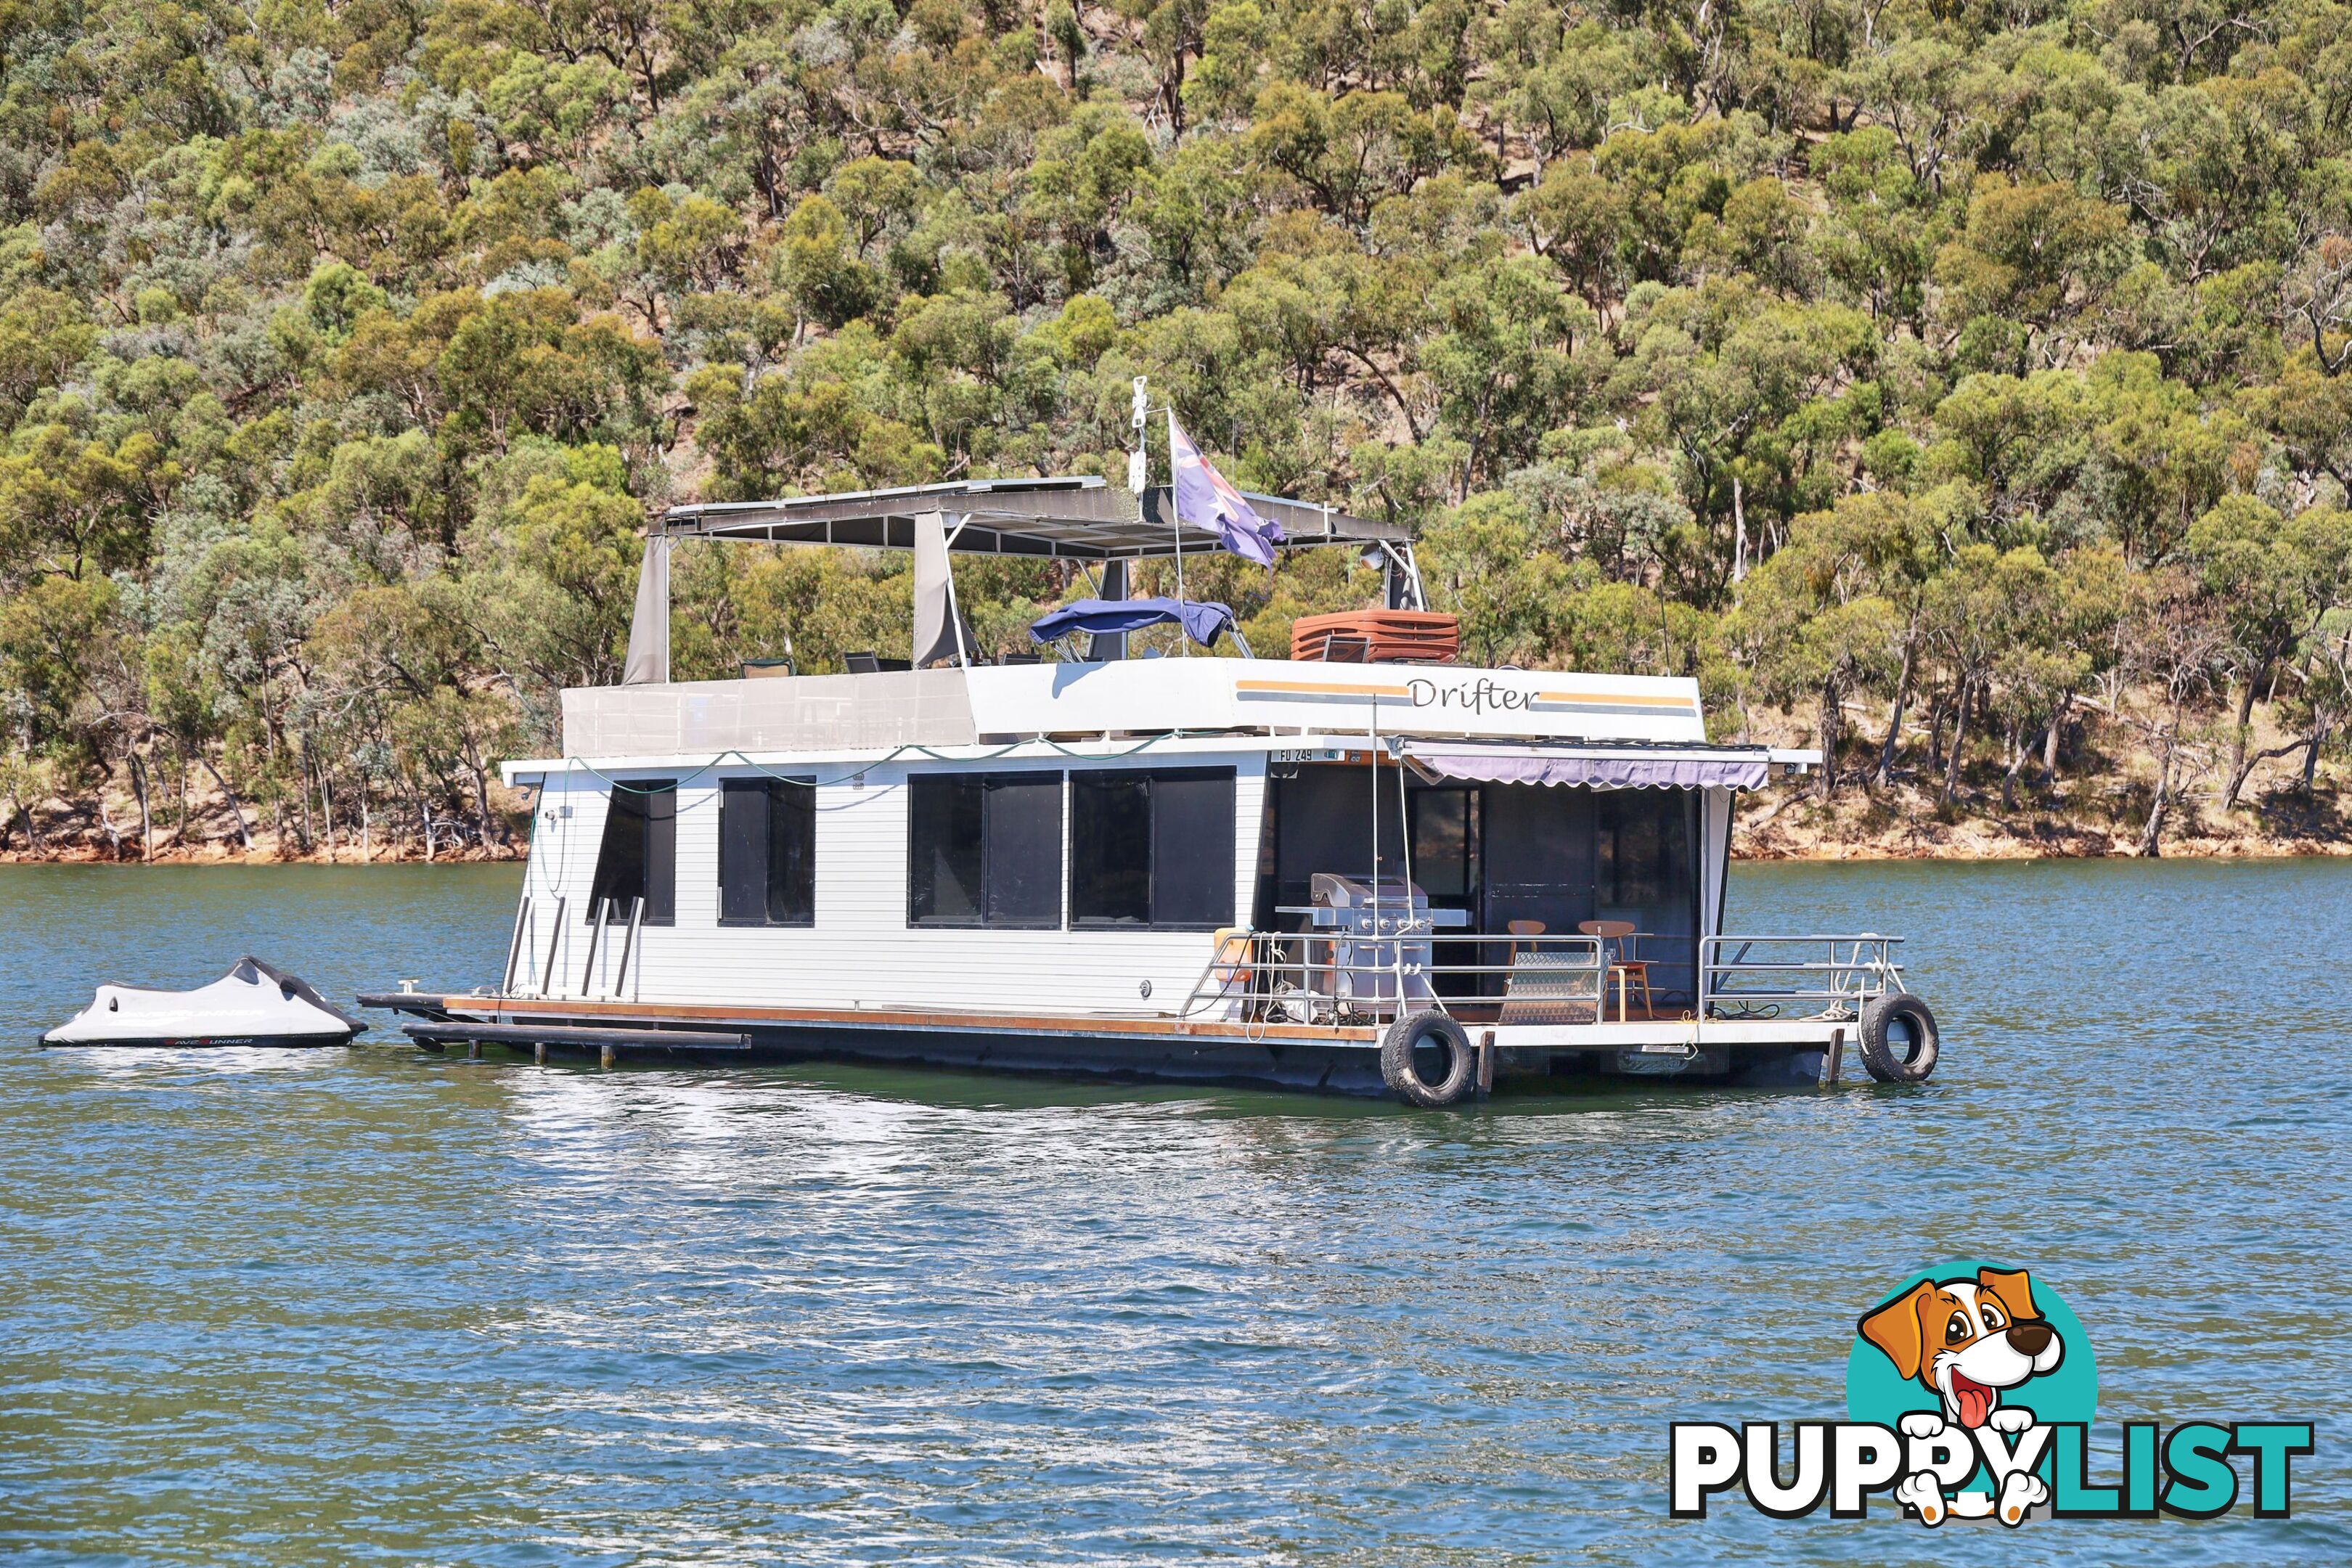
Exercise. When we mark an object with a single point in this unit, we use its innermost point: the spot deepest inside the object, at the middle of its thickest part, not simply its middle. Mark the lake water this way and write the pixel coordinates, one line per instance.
(370, 1306)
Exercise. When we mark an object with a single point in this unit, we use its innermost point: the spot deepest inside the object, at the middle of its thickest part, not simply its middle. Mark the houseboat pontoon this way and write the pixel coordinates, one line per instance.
(1411, 878)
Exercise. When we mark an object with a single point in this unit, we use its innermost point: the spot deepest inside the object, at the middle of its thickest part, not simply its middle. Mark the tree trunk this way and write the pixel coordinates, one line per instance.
(1832, 727)
(366, 846)
(327, 813)
(424, 815)
(2050, 738)
(1739, 533)
(2151, 839)
(2016, 762)
(2238, 766)
(243, 832)
(309, 835)
(146, 819)
(1959, 744)
(106, 821)
(2247, 765)
(1895, 719)
(482, 805)
(2316, 738)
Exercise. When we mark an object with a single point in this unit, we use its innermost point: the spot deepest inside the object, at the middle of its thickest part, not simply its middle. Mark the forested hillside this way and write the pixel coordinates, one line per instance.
(1968, 385)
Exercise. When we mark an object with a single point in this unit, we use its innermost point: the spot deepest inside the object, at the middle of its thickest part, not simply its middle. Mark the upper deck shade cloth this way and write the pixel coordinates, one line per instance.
(1204, 621)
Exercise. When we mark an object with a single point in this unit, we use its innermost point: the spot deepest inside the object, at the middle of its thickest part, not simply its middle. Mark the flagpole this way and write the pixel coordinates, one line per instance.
(1176, 530)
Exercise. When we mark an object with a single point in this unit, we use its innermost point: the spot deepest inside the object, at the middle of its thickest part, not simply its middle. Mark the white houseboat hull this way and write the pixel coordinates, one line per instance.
(1290, 1056)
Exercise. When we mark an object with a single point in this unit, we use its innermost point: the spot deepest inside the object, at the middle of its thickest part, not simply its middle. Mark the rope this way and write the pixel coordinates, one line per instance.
(627, 786)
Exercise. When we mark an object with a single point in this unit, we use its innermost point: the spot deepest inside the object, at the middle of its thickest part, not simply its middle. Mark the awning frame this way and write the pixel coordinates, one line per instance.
(1077, 518)
(1609, 767)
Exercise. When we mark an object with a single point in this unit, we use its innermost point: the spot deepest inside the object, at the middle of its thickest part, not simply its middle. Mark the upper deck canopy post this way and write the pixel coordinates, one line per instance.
(1401, 578)
(1105, 646)
(648, 660)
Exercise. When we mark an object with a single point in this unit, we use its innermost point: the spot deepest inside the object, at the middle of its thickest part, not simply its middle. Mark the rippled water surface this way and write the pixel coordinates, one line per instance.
(373, 1306)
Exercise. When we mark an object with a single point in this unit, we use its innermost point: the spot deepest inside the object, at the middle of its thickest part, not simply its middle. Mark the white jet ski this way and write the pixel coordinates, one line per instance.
(252, 1004)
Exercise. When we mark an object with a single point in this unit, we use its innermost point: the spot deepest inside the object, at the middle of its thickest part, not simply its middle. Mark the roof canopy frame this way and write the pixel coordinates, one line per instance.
(1078, 518)
(1081, 518)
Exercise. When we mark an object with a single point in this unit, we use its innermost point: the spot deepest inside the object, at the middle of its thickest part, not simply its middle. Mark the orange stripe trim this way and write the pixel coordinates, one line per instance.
(1292, 689)
(1617, 698)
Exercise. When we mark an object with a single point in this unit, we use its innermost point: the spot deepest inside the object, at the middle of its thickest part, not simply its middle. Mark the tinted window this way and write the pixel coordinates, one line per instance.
(1192, 848)
(767, 862)
(1325, 821)
(1110, 849)
(1152, 849)
(1446, 843)
(1023, 828)
(944, 867)
(638, 857)
(984, 849)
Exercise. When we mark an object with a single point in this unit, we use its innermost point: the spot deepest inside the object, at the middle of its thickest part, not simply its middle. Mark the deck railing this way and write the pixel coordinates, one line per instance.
(1329, 977)
(1332, 977)
(1795, 977)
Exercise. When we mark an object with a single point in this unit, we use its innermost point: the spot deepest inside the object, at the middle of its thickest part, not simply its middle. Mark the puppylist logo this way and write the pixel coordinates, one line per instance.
(1970, 1394)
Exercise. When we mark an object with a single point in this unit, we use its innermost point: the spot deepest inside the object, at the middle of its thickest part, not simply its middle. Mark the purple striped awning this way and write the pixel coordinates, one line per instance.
(1594, 770)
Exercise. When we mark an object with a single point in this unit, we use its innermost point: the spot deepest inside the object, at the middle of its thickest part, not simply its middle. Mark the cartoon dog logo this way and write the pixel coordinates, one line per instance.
(1967, 1339)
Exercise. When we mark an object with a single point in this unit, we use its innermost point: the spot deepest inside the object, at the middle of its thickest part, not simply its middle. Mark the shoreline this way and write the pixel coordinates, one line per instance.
(211, 855)
(1789, 823)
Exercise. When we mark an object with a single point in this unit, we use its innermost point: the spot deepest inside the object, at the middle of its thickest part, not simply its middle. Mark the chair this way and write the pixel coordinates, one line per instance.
(1626, 971)
(861, 663)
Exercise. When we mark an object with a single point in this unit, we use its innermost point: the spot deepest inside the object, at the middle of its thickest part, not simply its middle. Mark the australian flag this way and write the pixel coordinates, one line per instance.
(1205, 499)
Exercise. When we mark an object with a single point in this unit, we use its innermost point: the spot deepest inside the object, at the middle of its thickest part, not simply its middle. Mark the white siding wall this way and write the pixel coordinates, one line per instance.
(861, 951)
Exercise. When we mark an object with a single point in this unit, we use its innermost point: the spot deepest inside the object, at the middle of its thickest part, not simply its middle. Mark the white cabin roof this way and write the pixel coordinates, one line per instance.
(1203, 703)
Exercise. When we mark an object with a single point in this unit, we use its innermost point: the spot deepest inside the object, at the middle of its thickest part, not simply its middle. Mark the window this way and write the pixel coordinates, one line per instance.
(638, 857)
(1152, 849)
(984, 849)
(1445, 845)
(767, 852)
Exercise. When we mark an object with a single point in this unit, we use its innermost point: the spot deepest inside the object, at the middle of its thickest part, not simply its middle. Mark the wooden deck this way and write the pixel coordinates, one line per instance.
(502, 1011)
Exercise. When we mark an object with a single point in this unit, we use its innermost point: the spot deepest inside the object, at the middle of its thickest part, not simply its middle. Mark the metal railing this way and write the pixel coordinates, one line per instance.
(1337, 977)
(1795, 977)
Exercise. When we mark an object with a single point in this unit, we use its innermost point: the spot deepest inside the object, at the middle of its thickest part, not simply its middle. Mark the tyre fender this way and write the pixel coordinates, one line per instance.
(1404, 1042)
(1899, 1041)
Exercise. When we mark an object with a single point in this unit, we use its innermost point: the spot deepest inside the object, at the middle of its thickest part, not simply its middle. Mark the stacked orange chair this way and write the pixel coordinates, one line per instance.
(1378, 636)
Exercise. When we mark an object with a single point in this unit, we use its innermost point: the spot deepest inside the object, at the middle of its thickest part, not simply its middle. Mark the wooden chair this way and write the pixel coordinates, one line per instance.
(1627, 970)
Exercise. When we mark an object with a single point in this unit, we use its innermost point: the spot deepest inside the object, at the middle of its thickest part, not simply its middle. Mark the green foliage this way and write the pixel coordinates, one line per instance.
(1924, 353)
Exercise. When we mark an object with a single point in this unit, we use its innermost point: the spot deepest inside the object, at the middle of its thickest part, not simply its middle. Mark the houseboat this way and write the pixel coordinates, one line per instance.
(1366, 870)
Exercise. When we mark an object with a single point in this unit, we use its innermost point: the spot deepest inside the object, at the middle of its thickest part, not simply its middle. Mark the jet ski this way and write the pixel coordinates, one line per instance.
(252, 1004)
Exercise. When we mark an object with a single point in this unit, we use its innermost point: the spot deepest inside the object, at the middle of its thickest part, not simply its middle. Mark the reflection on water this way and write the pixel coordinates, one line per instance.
(373, 1306)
